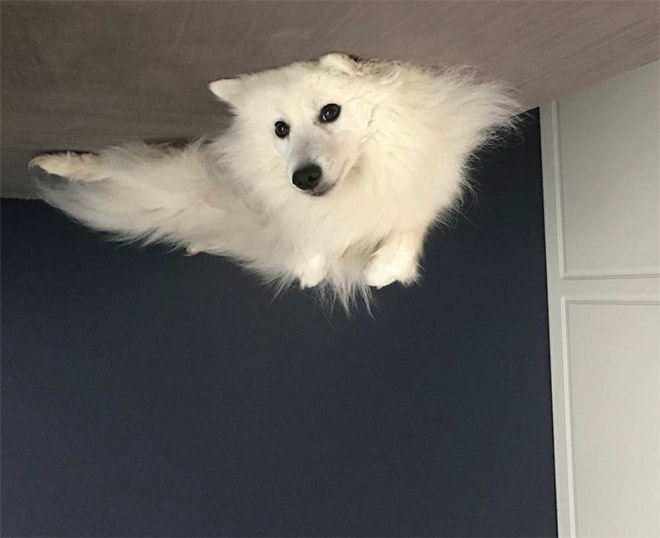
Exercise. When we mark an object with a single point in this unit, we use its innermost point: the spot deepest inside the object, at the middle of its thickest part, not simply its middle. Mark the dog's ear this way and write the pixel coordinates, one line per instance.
(227, 89)
(339, 61)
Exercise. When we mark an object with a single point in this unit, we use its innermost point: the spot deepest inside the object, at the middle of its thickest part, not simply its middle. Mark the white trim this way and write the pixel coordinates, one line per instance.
(567, 427)
(561, 405)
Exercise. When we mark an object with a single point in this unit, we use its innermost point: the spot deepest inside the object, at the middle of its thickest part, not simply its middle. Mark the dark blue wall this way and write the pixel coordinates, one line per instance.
(149, 394)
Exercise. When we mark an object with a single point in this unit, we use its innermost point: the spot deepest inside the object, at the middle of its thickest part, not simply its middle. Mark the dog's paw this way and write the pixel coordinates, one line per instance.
(74, 166)
(312, 273)
(389, 265)
(379, 275)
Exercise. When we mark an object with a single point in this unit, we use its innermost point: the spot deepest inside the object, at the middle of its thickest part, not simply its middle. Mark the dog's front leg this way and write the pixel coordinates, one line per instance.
(396, 259)
(71, 165)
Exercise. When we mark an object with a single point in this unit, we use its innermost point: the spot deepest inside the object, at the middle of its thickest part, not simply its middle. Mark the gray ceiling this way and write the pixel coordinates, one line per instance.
(80, 75)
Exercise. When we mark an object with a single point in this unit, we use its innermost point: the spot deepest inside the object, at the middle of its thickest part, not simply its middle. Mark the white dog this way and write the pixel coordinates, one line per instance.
(331, 172)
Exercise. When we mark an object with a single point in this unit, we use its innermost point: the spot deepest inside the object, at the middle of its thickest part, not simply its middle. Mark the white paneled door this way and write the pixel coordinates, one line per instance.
(601, 173)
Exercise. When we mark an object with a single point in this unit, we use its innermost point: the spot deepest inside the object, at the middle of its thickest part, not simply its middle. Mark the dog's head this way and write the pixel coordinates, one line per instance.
(305, 122)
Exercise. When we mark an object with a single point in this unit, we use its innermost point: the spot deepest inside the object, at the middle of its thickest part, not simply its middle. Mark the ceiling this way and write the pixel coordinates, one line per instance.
(80, 75)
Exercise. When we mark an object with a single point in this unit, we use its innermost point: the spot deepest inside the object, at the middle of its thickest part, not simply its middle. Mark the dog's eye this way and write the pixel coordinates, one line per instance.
(330, 113)
(281, 129)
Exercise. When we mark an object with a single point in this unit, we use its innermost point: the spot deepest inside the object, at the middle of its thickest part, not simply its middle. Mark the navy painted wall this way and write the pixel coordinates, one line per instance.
(145, 393)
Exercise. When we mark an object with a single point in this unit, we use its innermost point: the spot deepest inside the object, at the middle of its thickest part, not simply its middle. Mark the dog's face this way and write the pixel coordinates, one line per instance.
(307, 120)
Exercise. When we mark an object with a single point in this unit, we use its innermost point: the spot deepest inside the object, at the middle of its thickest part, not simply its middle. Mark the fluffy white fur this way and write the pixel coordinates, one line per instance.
(394, 162)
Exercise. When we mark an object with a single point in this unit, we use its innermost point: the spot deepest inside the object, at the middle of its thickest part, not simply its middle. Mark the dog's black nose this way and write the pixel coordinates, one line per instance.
(307, 177)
